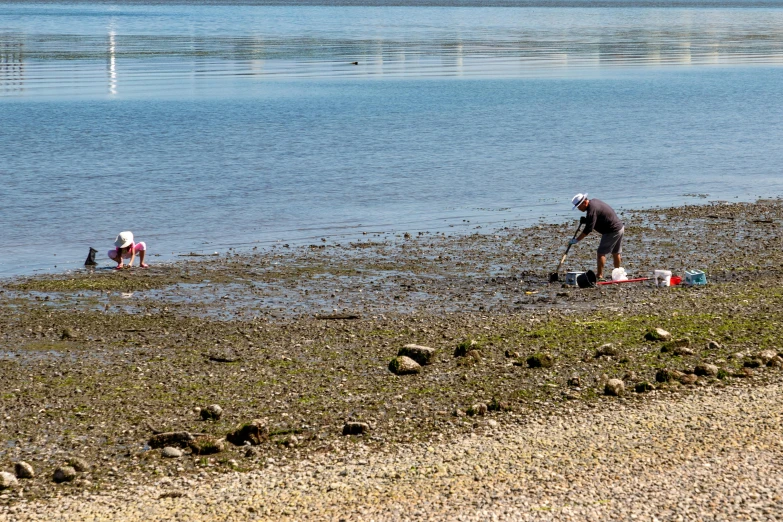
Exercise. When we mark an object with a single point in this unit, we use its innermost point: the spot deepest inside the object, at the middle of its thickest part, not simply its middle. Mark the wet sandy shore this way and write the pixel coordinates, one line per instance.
(93, 363)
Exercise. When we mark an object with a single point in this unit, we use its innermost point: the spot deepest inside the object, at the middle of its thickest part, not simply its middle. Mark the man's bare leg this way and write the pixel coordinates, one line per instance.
(617, 258)
(601, 261)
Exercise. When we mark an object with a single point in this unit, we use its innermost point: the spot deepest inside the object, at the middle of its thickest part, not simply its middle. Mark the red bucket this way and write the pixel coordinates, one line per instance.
(675, 280)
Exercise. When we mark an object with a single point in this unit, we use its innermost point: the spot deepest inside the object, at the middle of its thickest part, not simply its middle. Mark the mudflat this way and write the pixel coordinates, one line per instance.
(294, 347)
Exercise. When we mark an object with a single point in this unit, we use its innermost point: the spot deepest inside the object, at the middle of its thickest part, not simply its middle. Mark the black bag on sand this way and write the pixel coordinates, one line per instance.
(91, 258)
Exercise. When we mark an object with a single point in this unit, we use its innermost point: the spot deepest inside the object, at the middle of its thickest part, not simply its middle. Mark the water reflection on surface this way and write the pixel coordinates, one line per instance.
(161, 49)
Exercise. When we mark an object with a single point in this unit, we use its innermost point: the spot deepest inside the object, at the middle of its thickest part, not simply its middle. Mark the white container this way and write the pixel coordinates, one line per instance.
(662, 277)
(618, 274)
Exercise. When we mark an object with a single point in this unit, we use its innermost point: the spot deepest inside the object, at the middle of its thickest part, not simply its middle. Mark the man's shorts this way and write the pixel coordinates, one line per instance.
(611, 243)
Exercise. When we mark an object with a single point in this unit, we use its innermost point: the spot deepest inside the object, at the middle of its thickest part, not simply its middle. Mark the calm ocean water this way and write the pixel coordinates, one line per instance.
(237, 124)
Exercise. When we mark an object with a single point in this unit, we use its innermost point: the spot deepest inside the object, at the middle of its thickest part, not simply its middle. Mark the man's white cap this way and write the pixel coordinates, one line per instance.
(124, 239)
(577, 200)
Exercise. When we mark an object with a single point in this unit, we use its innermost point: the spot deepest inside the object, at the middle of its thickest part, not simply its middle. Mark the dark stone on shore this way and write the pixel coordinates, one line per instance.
(223, 356)
(664, 375)
(421, 354)
(474, 354)
(251, 452)
(706, 370)
(776, 362)
(23, 470)
(575, 381)
(64, 474)
(540, 360)
(464, 347)
(752, 362)
(356, 428)
(713, 345)
(403, 365)
(689, 378)
(79, 464)
(254, 433)
(642, 387)
(172, 438)
(498, 405)
(67, 333)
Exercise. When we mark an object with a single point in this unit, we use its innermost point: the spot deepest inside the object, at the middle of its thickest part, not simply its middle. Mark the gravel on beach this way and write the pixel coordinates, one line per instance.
(713, 454)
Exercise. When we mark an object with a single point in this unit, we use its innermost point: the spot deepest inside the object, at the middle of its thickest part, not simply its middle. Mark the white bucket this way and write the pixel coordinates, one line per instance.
(618, 274)
(662, 277)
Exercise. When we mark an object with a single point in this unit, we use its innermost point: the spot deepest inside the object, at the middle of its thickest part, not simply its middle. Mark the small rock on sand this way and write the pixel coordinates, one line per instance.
(540, 360)
(614, 387)
(707, 370)
(403, 365)
(658, 334)
(682, 350)
(24, 470)
(212, 412)
(7, 480)
(421, 354)
(171, 453)
(689, 378)
(478, 409)
(608, 350)
(64, 474)
(355, 428)
(666, 375)
(253, 433)
(172, 438)
(79, 464)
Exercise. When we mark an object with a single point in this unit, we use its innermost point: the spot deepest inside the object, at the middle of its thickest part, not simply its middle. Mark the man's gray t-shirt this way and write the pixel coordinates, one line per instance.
(601, 218)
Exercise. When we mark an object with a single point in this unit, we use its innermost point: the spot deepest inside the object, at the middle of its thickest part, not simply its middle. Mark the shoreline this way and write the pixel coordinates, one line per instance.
(451, 225)
(301, 339)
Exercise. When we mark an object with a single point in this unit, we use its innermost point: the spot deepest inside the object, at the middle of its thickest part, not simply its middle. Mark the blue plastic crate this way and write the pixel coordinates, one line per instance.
(695, 277)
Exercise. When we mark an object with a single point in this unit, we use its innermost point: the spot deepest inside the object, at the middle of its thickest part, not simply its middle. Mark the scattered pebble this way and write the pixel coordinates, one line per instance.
(171, 453)
(64, 474)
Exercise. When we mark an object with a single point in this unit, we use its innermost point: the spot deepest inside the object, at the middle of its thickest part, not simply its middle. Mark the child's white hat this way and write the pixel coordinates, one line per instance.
(124, 239)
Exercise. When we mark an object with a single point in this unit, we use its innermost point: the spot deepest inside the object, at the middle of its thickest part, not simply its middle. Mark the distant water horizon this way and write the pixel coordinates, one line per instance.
(214, 125)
